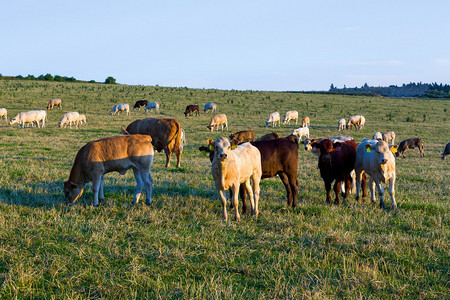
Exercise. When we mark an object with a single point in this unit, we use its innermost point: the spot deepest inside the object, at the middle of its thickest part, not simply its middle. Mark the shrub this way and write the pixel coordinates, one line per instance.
(110, 80)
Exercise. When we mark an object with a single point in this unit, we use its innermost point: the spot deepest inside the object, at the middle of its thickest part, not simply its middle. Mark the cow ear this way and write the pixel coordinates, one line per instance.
(369, 148)
(210, 143)
(234, 144)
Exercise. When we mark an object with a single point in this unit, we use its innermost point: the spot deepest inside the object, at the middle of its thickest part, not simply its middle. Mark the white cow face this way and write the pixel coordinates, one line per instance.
(381, 152)
(222, 148)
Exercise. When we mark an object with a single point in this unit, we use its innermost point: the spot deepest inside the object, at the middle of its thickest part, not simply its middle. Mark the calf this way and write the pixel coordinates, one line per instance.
(446, 151)
(389, 136)
(302, 131)
(152, 105)
(243, 136)
(190, 109)
(216, 121)
(139, 104)
(4, 114)
(69, 118)
(305, 122)
(410, 144)
(356, 121)
(273, 119)
(341, 124)
(29, 117)
(54, 102)
(210, 107)
(291, 115)
(120, 107)
(231, 167)
(118, 154)
(269, 136)
(376, 159)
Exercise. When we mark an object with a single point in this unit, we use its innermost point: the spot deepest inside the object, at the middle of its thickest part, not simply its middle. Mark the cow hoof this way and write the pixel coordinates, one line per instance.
(382, 206)
(148, 202)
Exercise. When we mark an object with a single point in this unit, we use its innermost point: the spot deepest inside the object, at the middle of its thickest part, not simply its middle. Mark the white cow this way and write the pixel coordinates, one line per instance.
(152, 105)
(273, 118)
(81, 119)
(210, 106)
(376, 159)
(302, 131)
(389, 136)
(216, 121)
(341, 124)
(358, 121)
(377, 136)
(291, 115)
(33, 117)
(69, 118)
(4, 114)
(120, 107)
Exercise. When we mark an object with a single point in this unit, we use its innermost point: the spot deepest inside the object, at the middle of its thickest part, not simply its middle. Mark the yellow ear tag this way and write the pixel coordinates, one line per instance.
(368, 150)
(211, 147)
(233, 147)
(394, 150)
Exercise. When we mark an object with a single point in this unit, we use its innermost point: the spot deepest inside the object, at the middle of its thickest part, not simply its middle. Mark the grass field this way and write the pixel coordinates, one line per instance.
(179, 247)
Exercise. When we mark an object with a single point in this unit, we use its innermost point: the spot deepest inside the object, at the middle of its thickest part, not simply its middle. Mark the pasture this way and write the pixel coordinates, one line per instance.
(179, 247)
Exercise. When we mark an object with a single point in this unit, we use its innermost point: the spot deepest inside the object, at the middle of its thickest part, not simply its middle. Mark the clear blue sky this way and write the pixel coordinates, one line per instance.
(245, 45)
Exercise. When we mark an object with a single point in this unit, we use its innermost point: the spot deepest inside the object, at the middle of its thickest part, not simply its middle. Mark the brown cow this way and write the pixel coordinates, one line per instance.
(269, 136)
(190, 109)
(118, 154)
(305, 122)
(243, 136)
(410, 144)
(165, 133)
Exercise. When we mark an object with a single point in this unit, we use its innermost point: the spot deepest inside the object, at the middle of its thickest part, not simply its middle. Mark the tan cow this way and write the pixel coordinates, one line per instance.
(54, 102)
(376, 159)
(305, 122)
(69, 118)
(243, 136)
(4, 114)
(388, 136)
(291, 115)
(216, 121)
(273, 119)
(357, 121)
(341, 124)
(29, 117)
(114, 154)
(230, 168)
(165, 133)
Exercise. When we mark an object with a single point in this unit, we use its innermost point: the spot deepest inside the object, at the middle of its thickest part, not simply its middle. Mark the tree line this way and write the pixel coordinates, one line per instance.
(57, 78)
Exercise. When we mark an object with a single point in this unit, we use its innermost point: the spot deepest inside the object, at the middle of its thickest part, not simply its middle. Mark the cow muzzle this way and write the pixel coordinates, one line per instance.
(223, 156)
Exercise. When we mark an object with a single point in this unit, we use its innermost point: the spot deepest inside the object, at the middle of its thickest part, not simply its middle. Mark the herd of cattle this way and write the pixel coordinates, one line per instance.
(238, 162)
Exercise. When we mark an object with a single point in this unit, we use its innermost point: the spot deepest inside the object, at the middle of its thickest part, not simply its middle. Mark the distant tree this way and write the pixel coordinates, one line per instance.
(19, 77)
(92, 81)
(48, 77)
(110, 80)
(41, 77)
(332, 87)
(59, 78)
(31, 77)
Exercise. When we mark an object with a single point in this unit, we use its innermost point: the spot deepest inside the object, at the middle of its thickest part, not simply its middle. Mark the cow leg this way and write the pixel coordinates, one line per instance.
(148, 183)
(358, 183)
(348, 186)
(251, 195)
(178, 155)
(328, 190)
(372, 190)
(101, 196)
(285, 180)
(243, 194)
(392, 192)
(139, 184)
(422, 154)
(96, 182)
(381, 193)
(167, 157)
(256, 192)
(235, 188)
(337, 187)
(223, 200)
(364, 184)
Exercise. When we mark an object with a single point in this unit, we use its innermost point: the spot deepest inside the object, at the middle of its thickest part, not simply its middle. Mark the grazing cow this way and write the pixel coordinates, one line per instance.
(341, 124)
(243, 136)
(231, 167)
(210, 107)
(377, 136)
(388, 136)
(279, 156)
(140, 103)
(114, 154)
(376, 159)
(302, 131)
(336, 162)
(33, 117)
(357, 121)
(120, 107)
(165, 133)
(410, 144)
(305, 122)
(269, 136)
(308, 142)
(54, 102)
(273, 119)
(446, 151)
(190, 109)
(81, 119)
(152, 105)
(216, 121)
(69, 118)
(291, 115)
(4, 114)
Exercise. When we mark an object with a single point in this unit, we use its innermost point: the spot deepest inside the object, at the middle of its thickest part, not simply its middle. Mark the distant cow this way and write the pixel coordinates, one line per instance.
(81, 119)
(114, 154)
(377, 136)
(152, 105)
(341, 124)
(216, 121)
(210, 107)
(29, 117)
(243, 136)
(231, 168)
(139, 104)
(305, 122)
(190, 109)
(269, 136)
(290, 115)
(299, 132)
(54, 102)
(69, 118)
(4, 114)
(356, 121)
(273, 119)
(120, 107)
(376, 159)
(410, 144)
(389, 136)
(446, 151)
(165, 133)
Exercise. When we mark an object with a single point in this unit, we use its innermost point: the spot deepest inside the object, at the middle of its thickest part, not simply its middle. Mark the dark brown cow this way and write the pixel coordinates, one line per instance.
(446, 151)
(269, 136)
(278, 157)
(410, 144)
(336, 162)
(165, 133)
(190, 109)
(140, 103)
(243, 136)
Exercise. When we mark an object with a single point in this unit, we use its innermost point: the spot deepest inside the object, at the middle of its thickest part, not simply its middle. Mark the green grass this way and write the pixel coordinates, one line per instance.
(179, 247)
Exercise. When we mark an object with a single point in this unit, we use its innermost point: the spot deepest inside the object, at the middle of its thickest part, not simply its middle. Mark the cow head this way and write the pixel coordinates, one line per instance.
(267, 123)
(380, 151)
(222, 148)
(72, 191)
(13, 121)
(211, 128)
